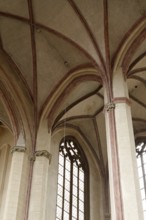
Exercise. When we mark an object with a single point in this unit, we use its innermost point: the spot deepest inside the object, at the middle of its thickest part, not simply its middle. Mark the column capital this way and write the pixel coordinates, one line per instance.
(40, 153)
(31, 157)
(43, 153)
(117, 100)
(109, 106)
(20, 149)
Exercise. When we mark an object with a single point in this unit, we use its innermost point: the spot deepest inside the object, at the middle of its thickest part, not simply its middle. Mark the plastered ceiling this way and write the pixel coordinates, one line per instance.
(63, 49)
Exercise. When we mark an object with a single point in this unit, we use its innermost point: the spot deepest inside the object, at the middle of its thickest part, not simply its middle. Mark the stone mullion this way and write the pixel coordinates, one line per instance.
(78, 195)
(63, 197)
(71, 190)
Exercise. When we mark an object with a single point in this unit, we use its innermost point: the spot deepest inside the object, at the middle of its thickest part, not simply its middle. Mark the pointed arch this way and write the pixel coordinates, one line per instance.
(15, 97)
(132, 40)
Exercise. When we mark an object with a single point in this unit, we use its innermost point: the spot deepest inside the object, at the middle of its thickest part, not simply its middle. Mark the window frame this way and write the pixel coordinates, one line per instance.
(142, 165)
(86, 175)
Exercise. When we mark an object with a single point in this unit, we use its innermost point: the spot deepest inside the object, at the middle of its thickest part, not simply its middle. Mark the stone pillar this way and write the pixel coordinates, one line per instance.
(124, 185)
(39, 188)
(4, 155)
(14, 207)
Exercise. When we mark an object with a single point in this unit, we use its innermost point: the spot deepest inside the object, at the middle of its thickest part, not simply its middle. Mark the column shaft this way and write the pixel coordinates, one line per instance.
(4, 155)
(124, 186)
(39, 188)
(14, 207)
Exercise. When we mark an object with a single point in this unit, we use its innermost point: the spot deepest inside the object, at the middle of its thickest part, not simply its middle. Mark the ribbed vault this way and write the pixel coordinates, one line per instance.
(61, 53)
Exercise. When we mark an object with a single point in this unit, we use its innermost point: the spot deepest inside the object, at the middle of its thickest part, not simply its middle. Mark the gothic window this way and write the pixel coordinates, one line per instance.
(141, 163)
(72, 193)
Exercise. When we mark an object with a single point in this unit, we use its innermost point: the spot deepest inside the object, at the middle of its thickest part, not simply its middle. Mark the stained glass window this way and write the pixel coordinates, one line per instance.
(72, 182)
(141, 164)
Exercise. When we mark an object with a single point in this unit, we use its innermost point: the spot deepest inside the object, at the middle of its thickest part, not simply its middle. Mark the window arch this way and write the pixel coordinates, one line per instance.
(73, 178)
(141, 164)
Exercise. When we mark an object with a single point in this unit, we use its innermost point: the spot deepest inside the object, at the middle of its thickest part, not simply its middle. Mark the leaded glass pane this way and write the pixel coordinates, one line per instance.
(66, 216)
(67, 185)
(59, 212)
(60, 179)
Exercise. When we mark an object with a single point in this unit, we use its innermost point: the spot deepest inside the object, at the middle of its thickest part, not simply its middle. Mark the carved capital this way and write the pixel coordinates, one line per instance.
(109, 106)
(31, 157)
(43, 153)
(20, 149)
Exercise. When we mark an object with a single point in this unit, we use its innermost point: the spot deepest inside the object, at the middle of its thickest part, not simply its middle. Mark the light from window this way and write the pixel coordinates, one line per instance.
(141, 164)
(71, 183)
